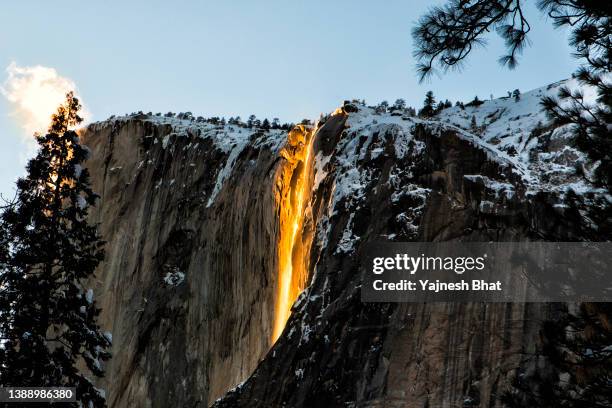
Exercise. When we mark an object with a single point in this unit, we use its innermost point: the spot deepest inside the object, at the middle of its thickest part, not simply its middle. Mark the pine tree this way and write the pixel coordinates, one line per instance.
(590, 124)
(474, 102)
(251, 121)
(399, 104)
(382, 107)
(428, 109)
(265, 125)
(473, 125)
(47, 315)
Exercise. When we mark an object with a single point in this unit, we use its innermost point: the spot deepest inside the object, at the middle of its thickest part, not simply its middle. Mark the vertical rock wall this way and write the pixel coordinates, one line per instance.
(187, 287)
(192, 216)
(404, 180)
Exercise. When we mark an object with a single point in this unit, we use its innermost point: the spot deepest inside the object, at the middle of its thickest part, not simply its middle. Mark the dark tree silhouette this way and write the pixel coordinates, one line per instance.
(399, 104)
(447, 34)
(48, 317)
(473, 125)
(591, 124)
(474, 102)
(251, 122)
(382, 107)
(429, 103)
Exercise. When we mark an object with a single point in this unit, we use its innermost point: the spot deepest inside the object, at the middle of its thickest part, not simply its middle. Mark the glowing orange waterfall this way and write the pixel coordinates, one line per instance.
(292, 247)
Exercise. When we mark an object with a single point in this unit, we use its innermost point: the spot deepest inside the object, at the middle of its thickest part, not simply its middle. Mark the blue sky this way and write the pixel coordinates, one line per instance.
(283, 59)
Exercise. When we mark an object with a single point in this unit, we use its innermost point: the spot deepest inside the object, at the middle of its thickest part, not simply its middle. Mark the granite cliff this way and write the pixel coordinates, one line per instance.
(202, 219)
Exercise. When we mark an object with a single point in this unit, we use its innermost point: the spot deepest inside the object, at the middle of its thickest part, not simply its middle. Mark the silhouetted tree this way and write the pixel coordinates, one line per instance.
(382, 107)
(443, 105)
(428, 109)
(473, 125)
(48, 318)
(265, 124)
(251, 121)
(591, 124)
(474, 102)
(399, 104)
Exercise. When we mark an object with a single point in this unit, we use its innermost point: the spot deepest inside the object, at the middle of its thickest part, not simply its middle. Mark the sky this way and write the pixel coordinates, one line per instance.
(290, 60)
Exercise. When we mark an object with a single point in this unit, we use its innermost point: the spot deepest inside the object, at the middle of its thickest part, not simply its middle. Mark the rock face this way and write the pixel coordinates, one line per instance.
(404, 179)
(193, 214)
(190, 216)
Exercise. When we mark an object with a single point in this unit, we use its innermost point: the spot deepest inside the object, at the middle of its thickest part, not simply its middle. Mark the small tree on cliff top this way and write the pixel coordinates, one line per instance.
(47, 316)
(428, 105)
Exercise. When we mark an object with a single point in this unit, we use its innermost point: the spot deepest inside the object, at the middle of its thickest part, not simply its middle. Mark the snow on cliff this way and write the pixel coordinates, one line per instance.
(231, 139)
(519, 127)
(513, 132)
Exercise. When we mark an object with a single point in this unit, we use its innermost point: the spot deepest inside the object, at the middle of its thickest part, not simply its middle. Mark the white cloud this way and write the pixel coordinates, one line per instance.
(35, 93)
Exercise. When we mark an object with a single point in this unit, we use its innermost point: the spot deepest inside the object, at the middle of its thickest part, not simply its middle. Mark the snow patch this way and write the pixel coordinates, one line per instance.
(174, 278)
(348, 240)
(89, 296)
(497, 187)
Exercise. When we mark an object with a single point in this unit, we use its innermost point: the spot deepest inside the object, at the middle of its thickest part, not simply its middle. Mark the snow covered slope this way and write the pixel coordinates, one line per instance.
(519, 127)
